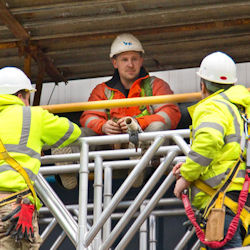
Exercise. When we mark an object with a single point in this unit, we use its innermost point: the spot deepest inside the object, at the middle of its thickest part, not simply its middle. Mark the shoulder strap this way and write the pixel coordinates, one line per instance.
(247, 140)
(219, 194)
(4, 155)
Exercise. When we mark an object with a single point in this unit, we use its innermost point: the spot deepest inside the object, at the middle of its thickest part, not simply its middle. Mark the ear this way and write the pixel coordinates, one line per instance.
(114, 62)
(25, 100)
(142, 60)
(204, 92)
(20, 96)
(202, 87)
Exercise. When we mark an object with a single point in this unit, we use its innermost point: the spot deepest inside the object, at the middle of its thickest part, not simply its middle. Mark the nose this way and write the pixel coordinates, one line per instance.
(130, 63)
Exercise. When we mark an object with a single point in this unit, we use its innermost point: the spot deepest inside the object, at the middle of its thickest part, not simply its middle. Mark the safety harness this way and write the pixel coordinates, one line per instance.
(4, 155)
(218, 198)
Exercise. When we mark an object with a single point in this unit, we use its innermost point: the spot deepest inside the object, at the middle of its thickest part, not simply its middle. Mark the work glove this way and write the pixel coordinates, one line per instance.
(21, 221)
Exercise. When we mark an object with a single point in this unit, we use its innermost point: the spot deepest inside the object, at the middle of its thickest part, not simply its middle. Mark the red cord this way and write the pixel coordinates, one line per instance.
(233, 225)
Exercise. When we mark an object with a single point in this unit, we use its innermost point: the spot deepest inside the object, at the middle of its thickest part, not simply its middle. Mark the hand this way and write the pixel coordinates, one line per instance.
(122, 124)
(21, 221)
(180, 186)
(128, 124)
(176, 170)
(111, 127)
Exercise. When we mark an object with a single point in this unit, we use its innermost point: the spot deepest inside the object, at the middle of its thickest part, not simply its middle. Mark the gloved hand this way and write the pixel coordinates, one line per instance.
(21, 221)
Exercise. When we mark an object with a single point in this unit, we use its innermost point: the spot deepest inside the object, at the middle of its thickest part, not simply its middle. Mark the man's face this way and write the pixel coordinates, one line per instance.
(128, 64)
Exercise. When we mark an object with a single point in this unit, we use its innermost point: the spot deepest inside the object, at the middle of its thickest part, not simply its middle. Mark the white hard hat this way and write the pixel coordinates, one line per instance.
(218, 67)
(125, 42)
(12, 80)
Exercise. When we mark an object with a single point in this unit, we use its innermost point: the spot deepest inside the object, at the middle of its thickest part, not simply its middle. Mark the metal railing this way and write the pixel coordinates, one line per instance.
(93, 230)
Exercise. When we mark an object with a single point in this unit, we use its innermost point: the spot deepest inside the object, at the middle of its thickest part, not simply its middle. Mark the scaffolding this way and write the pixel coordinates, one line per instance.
(89, 225)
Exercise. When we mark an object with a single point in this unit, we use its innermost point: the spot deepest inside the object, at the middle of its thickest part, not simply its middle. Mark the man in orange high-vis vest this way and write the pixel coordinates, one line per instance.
(129, 80)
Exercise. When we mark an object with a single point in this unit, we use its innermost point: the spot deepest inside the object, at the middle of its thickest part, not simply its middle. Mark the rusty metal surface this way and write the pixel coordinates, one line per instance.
(74, 37)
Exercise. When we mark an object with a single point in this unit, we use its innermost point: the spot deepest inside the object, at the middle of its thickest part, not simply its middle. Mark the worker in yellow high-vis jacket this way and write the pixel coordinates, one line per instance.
(217, 137)
(23, 132)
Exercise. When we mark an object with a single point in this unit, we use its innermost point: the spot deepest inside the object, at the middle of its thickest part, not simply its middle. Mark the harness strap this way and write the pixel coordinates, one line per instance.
(220, 192)
(245, 216)
(233, 225)
(10, 198)
(4, 155)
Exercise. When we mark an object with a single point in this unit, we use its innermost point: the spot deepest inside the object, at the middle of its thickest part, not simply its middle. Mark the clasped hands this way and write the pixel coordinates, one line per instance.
(115, 127)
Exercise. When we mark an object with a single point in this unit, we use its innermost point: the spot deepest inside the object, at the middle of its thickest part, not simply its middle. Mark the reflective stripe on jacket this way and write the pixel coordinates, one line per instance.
(146, 90)
(168, 113)
(217, 131)
(24, 130)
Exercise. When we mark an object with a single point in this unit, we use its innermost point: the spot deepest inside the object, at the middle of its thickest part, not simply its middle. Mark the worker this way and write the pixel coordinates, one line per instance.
(24, 131)
(218, 138)
(130, 79)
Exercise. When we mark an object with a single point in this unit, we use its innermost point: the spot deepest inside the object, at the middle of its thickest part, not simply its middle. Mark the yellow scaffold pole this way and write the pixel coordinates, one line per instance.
(126, 102)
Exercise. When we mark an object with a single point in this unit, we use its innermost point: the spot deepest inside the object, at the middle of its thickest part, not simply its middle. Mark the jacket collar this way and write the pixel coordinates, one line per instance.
(115, 82)
(6, 100)
(238, 95)
(192, 108)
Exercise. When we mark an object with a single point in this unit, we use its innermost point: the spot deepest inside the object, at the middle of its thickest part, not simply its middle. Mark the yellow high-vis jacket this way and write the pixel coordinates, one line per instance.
(24, 131)
(217, 129)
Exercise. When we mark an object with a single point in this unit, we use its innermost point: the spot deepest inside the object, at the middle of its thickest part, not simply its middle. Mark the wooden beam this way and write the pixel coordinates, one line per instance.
(121, 9)
(106, 34)
(39, 85)
(27, 65)
(8, 45)
(19, 32)
(14, 26)
(50, 68)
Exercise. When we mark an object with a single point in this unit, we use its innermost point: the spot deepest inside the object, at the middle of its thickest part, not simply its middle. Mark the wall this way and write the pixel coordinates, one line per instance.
(181, 81)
